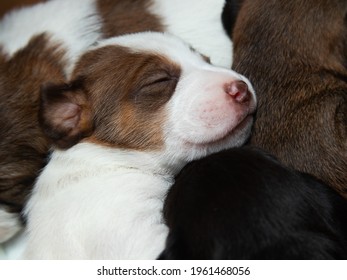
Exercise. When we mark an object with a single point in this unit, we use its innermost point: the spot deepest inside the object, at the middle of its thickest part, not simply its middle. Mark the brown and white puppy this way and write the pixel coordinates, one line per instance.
(137, 109)
(54, 33)
(295, 54)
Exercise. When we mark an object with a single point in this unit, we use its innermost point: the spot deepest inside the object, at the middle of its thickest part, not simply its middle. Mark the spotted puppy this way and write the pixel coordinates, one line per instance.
(137, 109)
(39, 45)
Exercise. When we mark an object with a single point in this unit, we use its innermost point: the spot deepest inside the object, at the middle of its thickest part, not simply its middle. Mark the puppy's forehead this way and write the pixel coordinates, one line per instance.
(156, 43)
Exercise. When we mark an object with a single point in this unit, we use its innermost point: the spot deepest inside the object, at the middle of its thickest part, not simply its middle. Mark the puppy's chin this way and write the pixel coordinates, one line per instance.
(233, 138)
(224, 138)
(236, 137)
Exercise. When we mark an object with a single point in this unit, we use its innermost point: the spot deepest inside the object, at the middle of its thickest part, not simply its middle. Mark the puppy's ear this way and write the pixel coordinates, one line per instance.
(65, 113)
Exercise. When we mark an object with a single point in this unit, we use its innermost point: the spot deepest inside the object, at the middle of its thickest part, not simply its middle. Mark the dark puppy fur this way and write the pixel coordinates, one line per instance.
(243, 204)
(23, 147)
(229, 14)
(295, 54)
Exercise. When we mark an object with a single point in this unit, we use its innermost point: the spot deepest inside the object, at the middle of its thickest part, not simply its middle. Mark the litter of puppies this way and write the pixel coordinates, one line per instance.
(122, 126)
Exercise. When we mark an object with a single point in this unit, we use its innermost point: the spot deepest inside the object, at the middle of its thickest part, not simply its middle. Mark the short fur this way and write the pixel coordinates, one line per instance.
(243, 204)
(35, 48)
(69, 28)
(295, 54)
(6, 6)
(136, 110)
(199, 23)
(23, 147)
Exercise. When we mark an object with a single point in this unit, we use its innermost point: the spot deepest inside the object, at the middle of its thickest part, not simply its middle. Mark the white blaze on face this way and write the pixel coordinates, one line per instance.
(204, 110)
(210, 108)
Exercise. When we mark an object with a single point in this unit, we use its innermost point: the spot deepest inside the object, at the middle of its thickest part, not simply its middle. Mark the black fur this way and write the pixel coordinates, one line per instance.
(229, 14)
(243, 204)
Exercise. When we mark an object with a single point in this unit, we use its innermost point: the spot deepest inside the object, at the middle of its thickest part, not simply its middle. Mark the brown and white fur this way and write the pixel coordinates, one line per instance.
(23, 146)
(137, 109)
(40, 43)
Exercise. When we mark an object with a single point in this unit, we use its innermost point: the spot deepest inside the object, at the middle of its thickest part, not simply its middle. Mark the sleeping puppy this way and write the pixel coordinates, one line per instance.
(39, 45)
(243, 204)
(295, 54)
(137, 109)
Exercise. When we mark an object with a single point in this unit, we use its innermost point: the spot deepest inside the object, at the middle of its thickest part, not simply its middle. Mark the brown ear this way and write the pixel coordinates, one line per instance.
(65, 114)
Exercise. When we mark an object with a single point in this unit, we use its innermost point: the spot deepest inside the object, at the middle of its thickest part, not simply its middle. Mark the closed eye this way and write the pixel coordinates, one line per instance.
(154, 85)
(161, 79)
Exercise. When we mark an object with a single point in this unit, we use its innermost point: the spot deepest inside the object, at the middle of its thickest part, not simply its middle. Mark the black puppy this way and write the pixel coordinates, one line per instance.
(243, 204)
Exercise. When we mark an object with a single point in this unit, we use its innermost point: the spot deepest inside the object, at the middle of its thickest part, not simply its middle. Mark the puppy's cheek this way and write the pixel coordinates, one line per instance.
(207, 118)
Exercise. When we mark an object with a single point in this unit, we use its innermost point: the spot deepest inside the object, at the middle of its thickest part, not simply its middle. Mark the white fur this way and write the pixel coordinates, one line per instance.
(94, 202)
(11, 234)
(74, 24)
(199, 23)
(9, 225)
(13, 249)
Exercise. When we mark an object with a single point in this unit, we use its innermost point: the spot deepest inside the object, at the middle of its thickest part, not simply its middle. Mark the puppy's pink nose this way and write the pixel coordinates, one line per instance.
(239, 91)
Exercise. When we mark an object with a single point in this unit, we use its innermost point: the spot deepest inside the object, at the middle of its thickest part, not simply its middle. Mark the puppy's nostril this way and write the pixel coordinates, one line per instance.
(239, 91)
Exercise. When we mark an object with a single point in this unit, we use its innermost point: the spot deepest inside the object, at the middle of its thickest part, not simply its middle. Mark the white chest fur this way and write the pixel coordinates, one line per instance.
(103, 205)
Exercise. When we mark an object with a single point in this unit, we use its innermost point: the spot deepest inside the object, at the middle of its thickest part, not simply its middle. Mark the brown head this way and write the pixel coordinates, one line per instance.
(149, 92)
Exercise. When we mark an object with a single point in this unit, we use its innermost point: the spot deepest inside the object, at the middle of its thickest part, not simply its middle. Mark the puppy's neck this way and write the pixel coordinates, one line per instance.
(88, 157)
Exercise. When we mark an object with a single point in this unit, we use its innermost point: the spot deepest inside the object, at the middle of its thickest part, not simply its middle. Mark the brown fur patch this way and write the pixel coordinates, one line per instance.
(295, 54)
(23, 147)
(126, 92)
(124, 16)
